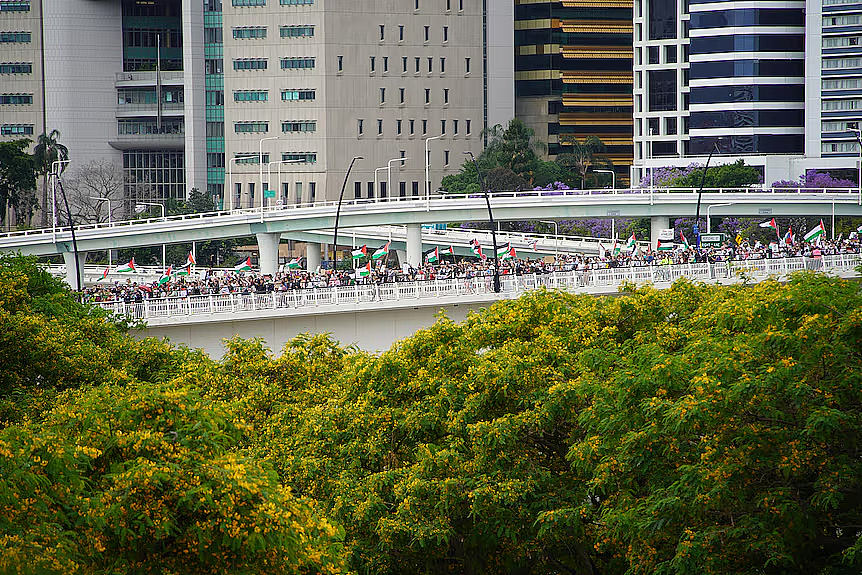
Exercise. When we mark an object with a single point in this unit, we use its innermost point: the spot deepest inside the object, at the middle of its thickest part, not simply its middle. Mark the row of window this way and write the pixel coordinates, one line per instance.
(842, 84)
(670, 126)
(263, 2)
(417, 64)
(262, 63)
(846, 20)
(402, 92)
(14, 5)
(16, 37)
(260, 32)
(828, 105)
(16, 98)
(150, 127)
(254, 158)
(411, 125)
(837, 126)
(286, 126)
(839, 147)
(426, 33)
(16, 129)
(840, 42)
(16, 68)
(839, 63)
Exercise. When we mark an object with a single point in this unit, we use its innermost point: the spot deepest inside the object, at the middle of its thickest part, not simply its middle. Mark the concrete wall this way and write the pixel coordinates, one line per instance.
(501, 62)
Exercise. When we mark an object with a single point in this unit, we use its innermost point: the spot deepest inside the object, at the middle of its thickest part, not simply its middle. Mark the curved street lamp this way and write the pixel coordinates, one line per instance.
(338, 210)
(491, 219)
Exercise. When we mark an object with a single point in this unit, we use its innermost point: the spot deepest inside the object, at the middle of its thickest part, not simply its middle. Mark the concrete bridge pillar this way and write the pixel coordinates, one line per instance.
(71, 274)
(656, 225)
(414, 244)
(267, 244)
(312, 256)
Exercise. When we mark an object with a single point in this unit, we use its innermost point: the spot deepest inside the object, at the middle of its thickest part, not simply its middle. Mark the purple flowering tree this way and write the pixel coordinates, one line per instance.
(813, 179)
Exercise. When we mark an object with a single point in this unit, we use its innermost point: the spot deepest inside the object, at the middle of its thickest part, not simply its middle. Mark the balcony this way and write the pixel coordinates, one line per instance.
(149, 110)
(169, 78)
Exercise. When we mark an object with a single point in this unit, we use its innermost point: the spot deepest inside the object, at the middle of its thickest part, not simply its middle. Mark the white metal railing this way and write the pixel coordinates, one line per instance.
(511, 286)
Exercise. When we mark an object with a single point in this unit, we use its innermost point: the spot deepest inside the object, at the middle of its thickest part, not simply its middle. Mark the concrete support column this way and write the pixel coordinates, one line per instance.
(656, 225)
(267, 243)
(312, 256)
(194, 75)
(71, 274)
(414, 244)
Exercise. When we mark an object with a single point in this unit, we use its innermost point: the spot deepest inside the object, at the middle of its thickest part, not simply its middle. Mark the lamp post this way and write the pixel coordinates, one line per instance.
(428, 165)
(55, 174)
(72, 229)
(700, 191)
(101, 199)
(708, 220)
(338, 211)
(556, 236)
(230, 175)
(142, 206)
(260, 168)
(376, 184)
(858, 133)
(491, 220)
(389, 171)
(613, 177)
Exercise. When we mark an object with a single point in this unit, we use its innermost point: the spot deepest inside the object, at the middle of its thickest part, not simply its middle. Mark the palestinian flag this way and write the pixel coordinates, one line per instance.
(243, 266)
(450, 251)
(788, 237)
(508, 253)
(293, 264)
(630, 244)
(817, 232)
(616, 249)
(770, 224)
(476, 249)
(534, 245)
(190, 261)
(184, 270)
(432, 256)
(166, 277)
(664, 246)
(501, 252)
(381, 252)
(684, 241)
(360, 253)
(364, 271)
(105, 273)
(126, 268)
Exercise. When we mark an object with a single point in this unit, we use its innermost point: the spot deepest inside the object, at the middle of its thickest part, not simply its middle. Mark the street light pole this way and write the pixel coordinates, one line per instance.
(144, 204)
(613, 177)
(700, 191)
(490, 219)
(338, 211)
(708, 220)
(376, 184)
(389, 172)
(556, 236)
(55, 174)
(428, 165)
(101, 199)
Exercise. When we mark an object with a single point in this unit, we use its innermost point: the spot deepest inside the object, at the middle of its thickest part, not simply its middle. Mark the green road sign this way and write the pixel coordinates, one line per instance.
(269, 193)
(712, 240)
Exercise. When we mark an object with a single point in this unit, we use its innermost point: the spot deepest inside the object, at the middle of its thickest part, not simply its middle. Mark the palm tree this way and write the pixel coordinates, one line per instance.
(47, 151)
(583, 155)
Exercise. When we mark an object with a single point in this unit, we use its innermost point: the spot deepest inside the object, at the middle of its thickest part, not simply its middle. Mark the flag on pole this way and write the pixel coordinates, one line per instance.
(616, 249)
(364, 271)
(126, 268)
(771, 224)
(630, 244)
(432, 256)
(360, 253)
(105, 273)
(788, 237)
(534, 245)
(818, 231)
(190, 261)
(602, 251)
(166, 277)
(664, 246)
(381, 251)
(507, 254)
(450, 251)
(293, 264)
(684, 241)
(501, 252)
(476, 249)
(243, 266)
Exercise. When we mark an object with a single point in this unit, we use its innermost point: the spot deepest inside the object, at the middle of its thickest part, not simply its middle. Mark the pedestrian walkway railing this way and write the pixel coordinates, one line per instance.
(347, 297)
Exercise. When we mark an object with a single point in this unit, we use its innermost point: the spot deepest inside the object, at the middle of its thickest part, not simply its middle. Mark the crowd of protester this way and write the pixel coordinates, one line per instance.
(227, 282)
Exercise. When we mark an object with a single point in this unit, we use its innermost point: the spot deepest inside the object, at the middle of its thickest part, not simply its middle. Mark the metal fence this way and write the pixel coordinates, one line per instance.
(510, 286)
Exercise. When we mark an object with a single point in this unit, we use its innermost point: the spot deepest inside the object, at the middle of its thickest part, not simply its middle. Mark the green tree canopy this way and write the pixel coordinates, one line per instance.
(735, 175)
(17, 180)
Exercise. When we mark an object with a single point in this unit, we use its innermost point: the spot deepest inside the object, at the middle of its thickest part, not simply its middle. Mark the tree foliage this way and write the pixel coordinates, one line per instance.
(17, 180)
(48, 150)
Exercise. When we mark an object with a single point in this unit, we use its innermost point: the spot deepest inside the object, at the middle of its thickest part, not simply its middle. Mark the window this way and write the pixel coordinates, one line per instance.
(341, 63)
(371, 63)
(249, 96)
(285, 188)
(215, 130)
(427, 95)
(402, 189)
(400, 95)
(404, 64)
(213, 97)
(249, 64)
(448, 5)
(455, 127)
(414, 187)
(400, 33)
(296, 63)
(215, 66)
(292, 95)
(445, 157)
(653, 126)
(416, 4)
(382, 95)
(16, 130)
(445, 95)
(842, 42)
(306, 157)
(841, 105)
(16, 6)
(466, 65)
(442, 65)
(461, 5)
(16, 99)
(427, 32)
(662, 90)
(382, 31)
(445, 33)
(382, 189)
(370, 189)
(416, 61)
(442, 126)
(297, 186)
(298, 126)
(296, 2)
(385, 64)
(652, 53)
(398, 126)
(412, 127)
(16, 68)
(357, 190)
(249, 127)
(430, 65)
(424, 127)
(359, 126)
(248, 2)
(670, 126)
(15, 37)
(379, 127)
(246, 32)
(213, 36)
(833, 63)
(670, 54)
(312, 190)
(853, 20)
(467, 126)
(297, 31)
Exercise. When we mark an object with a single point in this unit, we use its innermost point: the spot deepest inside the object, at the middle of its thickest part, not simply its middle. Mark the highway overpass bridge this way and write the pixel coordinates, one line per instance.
(270, 224)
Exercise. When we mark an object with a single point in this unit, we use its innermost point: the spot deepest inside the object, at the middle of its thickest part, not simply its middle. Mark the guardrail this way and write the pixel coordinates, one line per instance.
(511, 286)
